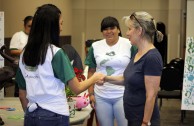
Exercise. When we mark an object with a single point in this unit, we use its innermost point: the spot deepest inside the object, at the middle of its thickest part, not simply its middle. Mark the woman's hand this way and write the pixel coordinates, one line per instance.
(92, 101)
(101, 81)
(98, 78)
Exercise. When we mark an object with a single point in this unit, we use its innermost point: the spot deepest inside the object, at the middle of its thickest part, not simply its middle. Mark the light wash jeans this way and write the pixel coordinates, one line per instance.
(42, 117)
(109, 109)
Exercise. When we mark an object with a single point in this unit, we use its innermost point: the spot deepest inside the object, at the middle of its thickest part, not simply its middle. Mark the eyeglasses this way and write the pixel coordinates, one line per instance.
(136, 19)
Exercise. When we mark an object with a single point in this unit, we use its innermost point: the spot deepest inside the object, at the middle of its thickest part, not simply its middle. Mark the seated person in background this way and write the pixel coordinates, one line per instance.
(73, 56)
(18, 42)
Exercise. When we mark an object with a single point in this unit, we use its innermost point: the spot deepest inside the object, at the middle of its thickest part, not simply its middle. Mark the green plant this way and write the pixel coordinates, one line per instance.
(69, 93)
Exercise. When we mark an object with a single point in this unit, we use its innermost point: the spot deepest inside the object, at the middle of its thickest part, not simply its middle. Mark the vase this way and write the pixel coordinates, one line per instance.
(72, 108)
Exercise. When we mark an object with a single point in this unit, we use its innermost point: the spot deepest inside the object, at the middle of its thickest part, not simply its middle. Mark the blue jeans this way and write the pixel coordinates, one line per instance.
(42, 117)
(109, 109)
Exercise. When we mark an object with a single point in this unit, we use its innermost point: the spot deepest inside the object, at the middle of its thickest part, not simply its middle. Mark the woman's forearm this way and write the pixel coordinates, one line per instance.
(77, 87)
(23, 99)
(15, 52)
(152, 85)
(118, 80)
(148, 110)
(91, 71)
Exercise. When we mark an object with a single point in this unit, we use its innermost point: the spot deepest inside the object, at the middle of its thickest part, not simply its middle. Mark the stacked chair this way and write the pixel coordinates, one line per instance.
(172, 82)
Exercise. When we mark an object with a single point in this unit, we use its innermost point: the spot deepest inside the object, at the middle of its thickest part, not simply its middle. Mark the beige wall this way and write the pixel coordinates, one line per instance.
(190, 18)
(176, 29)
(0, 4)
(16, 10)
(87, 16)
(82, 18)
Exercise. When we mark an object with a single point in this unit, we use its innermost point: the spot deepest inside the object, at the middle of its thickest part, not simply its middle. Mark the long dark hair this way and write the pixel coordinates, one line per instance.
(44, 32)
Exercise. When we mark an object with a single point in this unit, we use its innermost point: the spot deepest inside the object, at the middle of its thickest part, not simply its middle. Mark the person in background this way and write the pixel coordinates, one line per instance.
(18, 42)
(163, 45)
(73, 56)
(142, 75)
(109, 56)
(44, 70)
(88, 44)
(20, 38)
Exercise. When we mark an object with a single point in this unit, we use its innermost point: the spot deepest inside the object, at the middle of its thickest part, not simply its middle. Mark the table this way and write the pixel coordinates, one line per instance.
(16, 118)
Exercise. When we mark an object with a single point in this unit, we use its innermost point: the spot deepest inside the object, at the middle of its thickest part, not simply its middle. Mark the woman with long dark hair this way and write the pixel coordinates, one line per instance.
(44, 70)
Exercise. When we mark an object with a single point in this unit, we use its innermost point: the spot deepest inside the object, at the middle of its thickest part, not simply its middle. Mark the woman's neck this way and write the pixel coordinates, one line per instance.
(144, 47)
(112, 42)
(25, 32)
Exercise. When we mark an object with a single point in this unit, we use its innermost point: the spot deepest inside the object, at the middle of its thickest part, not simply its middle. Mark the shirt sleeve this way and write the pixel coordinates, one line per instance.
(62, 67)
(20, 80)
(153, 65)
(14, 42)
(90, 60)
(133, 50)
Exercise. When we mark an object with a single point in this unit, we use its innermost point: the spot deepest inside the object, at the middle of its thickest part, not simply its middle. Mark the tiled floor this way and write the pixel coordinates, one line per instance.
(170, 112)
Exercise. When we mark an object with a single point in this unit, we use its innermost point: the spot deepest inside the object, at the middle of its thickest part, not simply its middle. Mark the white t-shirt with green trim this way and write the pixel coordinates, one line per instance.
(111, 61)
(45, 84)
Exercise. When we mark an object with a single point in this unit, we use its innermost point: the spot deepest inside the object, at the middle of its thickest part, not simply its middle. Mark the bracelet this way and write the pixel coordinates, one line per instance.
(90, 94)
(146, 123)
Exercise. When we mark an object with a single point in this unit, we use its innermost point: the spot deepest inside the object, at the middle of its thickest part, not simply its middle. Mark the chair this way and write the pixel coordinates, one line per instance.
(171, 85)
(178, 63)
(7, 72)
(1, 121)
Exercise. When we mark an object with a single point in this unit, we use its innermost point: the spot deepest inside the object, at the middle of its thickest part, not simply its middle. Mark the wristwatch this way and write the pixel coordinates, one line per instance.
(147, 123)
